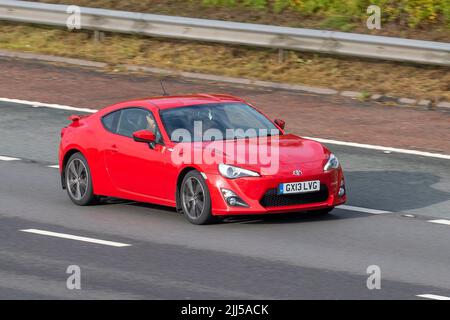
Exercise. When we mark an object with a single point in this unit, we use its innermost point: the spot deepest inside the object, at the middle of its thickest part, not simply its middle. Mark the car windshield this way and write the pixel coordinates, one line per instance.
(217, 121)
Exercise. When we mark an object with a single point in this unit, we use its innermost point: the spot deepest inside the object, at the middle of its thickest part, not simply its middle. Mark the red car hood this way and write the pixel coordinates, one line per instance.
(288, 152)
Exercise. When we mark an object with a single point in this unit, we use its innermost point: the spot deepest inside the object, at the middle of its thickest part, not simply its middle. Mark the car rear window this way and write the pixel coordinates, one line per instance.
(110, 121)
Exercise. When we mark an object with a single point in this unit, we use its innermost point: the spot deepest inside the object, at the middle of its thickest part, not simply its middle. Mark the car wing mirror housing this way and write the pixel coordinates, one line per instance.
(145, 136)
(280, 123)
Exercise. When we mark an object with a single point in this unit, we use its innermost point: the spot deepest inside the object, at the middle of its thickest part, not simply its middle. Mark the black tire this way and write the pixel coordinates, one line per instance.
(195, 199)
(80, 193)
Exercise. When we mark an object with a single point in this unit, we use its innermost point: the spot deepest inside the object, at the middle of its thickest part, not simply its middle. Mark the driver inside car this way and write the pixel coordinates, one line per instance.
(151, 126)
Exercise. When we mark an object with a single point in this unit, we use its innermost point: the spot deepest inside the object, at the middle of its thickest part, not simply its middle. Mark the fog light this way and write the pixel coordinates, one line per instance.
(232, 199)
(341, 192)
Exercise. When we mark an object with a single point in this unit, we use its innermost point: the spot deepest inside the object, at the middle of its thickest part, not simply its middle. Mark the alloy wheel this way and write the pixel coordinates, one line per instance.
(77, 179)
(193, 197)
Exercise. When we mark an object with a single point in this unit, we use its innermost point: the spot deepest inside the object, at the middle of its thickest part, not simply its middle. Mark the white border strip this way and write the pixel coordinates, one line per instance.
(360, 209)
(441, 221)
(4, 158)
(72, 237)
(433, 296)
(36, 104)
(381, 148)
(336, 142)
(56, 166)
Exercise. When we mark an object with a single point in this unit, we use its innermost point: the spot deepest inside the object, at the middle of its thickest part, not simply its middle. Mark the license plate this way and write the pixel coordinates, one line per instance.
(299, 187)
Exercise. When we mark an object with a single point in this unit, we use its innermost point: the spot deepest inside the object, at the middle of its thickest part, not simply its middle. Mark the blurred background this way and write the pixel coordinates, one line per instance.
(413, 19)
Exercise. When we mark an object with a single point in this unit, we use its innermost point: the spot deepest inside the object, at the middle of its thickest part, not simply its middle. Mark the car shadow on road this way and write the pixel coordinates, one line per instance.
(296, 217)
(395, 191)
(108, 201)
(116, 201)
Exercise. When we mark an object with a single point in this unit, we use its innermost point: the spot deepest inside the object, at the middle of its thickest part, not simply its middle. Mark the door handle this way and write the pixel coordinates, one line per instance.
(114, 148)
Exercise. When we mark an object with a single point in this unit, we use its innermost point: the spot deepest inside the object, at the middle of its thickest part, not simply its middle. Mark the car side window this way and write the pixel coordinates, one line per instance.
(135, 119)
(110, 121)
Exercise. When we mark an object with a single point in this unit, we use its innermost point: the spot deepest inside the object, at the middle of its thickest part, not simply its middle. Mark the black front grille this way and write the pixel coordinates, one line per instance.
(272, 199)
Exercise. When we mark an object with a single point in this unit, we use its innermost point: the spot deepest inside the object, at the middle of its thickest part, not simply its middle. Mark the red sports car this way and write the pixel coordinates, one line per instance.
(207, 155)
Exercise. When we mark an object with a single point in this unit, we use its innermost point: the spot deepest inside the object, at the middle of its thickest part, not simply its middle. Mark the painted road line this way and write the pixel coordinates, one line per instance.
(336, 142)
(433, 296)
(72, 237)
(381, 148)
(56, 166)
(441, 221)
(360, 209)
(4, 158)
(36, 104)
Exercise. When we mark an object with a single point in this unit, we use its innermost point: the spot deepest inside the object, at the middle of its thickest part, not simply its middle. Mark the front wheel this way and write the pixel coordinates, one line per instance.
(195, 199)
(79, 181)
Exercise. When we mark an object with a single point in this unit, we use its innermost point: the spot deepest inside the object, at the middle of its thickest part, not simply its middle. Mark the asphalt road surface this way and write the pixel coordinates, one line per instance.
(283, 257)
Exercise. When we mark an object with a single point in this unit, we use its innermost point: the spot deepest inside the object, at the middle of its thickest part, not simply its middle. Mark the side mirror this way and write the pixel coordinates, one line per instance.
(280, 123)
(144, 136)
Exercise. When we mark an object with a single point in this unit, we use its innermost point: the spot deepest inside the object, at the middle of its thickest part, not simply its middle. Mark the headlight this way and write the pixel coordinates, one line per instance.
(232, 172)
(332, 163)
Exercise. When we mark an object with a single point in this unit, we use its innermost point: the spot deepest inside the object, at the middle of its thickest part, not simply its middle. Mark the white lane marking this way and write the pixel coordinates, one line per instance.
(336, 142)
(381, 148)
(56, 166)
(36, 104)
(433, 296)
(4, 158)
(441, 221)
(360, 209)
(72, 237)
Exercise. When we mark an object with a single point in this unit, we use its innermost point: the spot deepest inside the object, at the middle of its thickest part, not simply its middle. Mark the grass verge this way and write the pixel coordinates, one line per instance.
(422, 82)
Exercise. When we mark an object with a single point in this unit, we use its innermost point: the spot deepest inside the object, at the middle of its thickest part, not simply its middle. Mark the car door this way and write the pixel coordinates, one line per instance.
(136, 168)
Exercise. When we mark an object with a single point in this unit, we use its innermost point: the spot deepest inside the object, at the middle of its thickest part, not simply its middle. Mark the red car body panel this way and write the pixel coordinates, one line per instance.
(123, 168)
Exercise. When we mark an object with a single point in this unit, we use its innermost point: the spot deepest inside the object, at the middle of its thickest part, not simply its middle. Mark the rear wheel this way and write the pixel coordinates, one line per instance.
(195, 199)
(79, 181)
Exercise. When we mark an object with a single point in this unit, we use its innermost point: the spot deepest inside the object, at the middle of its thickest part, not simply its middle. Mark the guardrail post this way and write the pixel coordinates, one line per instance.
(281, 55)
(99, 36)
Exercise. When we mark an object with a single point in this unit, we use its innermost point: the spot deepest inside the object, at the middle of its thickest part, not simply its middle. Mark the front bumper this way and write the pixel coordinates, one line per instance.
(258, 193)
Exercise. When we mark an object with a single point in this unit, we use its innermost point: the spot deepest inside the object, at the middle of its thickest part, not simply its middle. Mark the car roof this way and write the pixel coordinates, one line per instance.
(168, 102)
